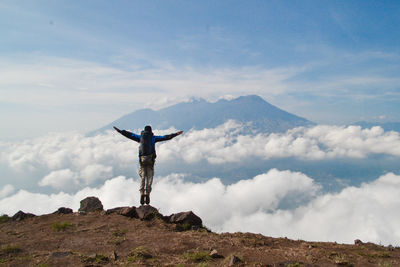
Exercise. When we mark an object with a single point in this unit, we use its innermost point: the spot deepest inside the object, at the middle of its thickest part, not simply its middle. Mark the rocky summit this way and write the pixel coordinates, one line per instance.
(142, 236)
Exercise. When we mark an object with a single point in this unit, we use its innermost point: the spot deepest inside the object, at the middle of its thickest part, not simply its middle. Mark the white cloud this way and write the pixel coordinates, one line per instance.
(216, 202)
(62, 179)
(94, 172)
(6, 191)
(89, 159)
(255, 205)
(92, 160)
(118, 191)
(365, 212)
(223, 144)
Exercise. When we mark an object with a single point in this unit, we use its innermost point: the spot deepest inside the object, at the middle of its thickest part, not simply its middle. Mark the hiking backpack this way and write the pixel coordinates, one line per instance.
(146, 148)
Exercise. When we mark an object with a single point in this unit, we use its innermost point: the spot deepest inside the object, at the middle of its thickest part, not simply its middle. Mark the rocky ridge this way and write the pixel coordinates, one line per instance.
(142, 236)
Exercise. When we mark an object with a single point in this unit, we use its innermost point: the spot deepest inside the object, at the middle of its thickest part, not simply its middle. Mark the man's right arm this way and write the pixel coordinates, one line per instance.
(128, 134)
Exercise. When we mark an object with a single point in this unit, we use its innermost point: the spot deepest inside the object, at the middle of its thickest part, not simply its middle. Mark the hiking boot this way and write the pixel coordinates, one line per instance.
(148, 199)
(142, 197)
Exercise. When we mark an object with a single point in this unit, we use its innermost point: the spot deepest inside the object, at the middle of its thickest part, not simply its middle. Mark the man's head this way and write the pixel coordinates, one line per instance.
(147, 128)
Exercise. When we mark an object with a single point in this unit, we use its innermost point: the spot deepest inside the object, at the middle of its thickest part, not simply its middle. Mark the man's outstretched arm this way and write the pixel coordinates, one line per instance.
(168, 136)
(128, 134)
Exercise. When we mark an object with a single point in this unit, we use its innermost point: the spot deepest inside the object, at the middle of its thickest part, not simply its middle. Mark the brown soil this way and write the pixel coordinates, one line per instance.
(97, 239)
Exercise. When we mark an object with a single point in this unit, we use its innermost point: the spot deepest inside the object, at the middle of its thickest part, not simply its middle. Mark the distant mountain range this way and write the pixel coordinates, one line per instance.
(254, 112)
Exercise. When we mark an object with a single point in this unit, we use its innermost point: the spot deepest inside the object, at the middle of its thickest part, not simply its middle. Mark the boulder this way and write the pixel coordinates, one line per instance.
(115, 210)
(358, 242)
(91, 204)
(20, 215)
(124, 211)
(187, 217)
(129, 212)
(63, 210)
(147, 212)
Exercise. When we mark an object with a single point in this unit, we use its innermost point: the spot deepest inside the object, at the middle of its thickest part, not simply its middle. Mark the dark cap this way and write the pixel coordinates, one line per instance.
(147, 128)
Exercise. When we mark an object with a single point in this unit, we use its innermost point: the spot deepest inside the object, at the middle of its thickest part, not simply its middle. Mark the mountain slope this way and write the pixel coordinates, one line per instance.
(200, 114)
(98, 239)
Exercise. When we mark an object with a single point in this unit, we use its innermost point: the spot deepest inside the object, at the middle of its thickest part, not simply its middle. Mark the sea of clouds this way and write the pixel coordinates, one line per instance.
(43, 174)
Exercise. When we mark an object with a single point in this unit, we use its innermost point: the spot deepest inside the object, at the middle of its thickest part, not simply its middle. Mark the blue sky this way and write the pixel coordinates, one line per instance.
(77, 65)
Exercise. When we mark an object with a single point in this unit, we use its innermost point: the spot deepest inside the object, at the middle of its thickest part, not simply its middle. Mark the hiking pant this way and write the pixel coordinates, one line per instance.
(146, 173)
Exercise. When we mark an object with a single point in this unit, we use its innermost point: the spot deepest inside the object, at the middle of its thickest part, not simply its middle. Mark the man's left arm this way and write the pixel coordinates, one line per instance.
(167, 137)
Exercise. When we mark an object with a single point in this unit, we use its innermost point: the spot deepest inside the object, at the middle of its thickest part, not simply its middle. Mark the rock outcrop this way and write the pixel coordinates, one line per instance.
(124, 211)
(91, 204)
(20, 215)
(184, 220)
(147, 213)
(187, 217)
(64, 210)
(358, 242)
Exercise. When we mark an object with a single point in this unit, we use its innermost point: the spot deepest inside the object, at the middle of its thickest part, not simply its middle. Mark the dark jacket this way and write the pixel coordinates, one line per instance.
(155, 139)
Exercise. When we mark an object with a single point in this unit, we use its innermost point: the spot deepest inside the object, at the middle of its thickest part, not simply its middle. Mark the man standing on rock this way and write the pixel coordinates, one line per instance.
(147, 157)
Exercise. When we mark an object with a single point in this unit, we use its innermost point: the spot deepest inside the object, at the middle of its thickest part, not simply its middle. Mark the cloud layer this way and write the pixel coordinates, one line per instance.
(68, 162)
(222, 145)
(256, 205)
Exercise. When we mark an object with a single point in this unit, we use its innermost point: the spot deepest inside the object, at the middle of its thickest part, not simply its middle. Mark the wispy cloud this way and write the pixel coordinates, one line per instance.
(84, 82)
(58, 81)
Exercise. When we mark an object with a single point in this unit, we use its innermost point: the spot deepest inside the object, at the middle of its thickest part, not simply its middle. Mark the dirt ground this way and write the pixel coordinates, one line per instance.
(97, 239)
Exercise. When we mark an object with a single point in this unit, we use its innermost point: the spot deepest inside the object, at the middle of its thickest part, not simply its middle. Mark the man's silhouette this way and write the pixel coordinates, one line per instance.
(147, 156)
